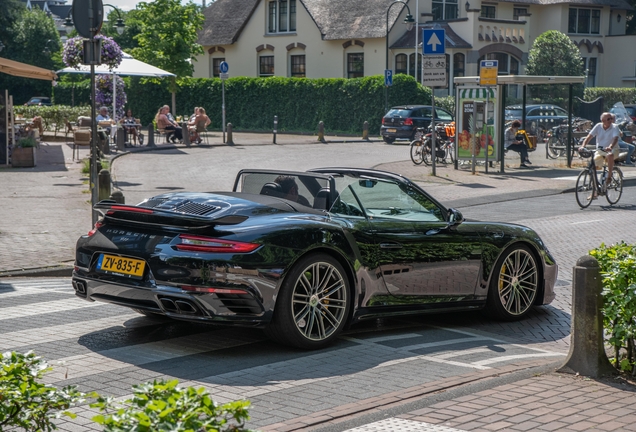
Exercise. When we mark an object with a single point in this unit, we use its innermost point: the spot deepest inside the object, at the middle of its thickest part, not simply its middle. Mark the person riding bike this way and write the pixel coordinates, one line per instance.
(607, 136)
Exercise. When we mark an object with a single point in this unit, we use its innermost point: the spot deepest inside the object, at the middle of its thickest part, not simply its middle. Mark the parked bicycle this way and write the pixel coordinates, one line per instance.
(422, 145)
(558, 138)
(588, 185)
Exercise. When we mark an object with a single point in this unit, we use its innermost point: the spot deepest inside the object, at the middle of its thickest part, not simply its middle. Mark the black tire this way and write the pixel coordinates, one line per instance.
(313, 304)
(426, 152)
(451, 151)
(584, 188)
(388, 140)
(550, 148)
(416, 152)
(514, 284)
(615, 188)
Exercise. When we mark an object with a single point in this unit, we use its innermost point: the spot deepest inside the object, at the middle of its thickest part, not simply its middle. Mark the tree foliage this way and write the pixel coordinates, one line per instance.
(9, 13)
(127, 39)
(554, 54)
(168, 35)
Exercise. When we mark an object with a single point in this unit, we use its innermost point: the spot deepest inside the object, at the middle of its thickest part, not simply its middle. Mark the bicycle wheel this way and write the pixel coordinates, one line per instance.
(416, 152)
(426, 152)
(551, 148)
(450, 151)
(585, 188)
(615, 187)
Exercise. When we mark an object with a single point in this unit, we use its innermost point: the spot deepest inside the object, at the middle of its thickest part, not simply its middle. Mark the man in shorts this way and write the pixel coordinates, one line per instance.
(607, 136)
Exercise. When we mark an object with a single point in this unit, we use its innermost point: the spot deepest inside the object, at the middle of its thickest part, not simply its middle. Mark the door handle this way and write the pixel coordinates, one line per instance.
(391, 246)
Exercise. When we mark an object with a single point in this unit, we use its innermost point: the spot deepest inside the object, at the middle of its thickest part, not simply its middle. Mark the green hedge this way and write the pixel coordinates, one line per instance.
(53, 117)
(611, 95)
(251, 103)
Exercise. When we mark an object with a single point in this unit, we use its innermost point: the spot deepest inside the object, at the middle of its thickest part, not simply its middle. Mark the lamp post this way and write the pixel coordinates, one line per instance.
(119, 24)
(408, 21)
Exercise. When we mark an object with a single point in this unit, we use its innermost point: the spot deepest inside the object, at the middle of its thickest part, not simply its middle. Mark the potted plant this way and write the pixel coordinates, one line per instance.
(23, 153)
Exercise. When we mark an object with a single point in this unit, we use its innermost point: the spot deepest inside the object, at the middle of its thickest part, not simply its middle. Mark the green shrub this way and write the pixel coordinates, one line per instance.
(27, 403)
(162, 406)
(618, 269)
(26, 142)
(627, 95)
(53, 117)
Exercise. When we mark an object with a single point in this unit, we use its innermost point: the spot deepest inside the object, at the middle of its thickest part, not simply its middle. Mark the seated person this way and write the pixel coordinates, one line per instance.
(290, 190)
(624, 147)
(164, 122)
(198, 125)
(104, 120)
(130, 125)
(512, 143)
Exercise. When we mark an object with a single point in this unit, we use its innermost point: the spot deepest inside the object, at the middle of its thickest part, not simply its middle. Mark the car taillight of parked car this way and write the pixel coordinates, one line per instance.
(97, 226)
(382, 120)
(408, 121)
(195, 243)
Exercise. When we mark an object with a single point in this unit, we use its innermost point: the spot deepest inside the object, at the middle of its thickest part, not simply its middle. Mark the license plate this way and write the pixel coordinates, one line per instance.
(391, 130)
(130, 267)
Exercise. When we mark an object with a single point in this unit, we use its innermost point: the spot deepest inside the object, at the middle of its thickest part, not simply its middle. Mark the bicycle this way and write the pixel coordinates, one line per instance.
(558, 138)
(421, 146)
(588, 184)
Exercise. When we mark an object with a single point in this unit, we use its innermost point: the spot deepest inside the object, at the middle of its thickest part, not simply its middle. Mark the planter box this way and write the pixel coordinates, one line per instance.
(23, 157)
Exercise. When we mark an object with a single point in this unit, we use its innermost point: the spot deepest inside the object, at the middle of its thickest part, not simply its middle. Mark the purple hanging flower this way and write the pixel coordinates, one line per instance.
(74, 51)
(104, 94)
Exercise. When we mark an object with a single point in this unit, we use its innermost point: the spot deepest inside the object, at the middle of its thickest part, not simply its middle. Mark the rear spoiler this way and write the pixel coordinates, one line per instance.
(138, 214)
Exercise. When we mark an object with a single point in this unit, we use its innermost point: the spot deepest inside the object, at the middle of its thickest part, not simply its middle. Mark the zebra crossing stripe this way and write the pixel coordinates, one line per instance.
(46, 307)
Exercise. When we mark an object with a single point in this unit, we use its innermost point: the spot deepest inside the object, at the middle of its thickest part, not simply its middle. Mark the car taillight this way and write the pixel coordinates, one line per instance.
(212, 290)
(131, 209)
(192, 243)
(408, 121)
(382, 120)
(98, 225)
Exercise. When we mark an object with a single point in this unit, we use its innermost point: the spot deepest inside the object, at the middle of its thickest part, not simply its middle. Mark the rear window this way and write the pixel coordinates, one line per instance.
(399, 113)
(514, 113)
(630, 110)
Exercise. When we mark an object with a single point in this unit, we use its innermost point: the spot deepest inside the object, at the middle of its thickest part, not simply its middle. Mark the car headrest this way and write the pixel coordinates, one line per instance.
(272, 189)
(321, 200)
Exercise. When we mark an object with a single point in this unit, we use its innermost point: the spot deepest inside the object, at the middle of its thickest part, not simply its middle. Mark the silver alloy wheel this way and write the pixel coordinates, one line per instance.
(319, 301)
(518, 282)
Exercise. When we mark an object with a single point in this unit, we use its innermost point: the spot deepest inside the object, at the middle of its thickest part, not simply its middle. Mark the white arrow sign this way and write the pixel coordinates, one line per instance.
(434, 41)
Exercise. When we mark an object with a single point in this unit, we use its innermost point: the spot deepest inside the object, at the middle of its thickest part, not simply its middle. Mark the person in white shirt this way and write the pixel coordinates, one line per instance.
(607, 136)
(103, 117)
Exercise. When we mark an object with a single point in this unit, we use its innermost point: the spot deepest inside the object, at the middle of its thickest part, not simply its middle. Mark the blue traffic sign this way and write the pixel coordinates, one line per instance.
(224, 67)
(388, 77)
(433, 41)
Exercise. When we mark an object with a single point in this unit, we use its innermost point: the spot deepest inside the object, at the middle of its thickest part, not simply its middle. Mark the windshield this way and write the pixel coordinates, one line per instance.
(620, 112)
(513, 113)
(398, 113)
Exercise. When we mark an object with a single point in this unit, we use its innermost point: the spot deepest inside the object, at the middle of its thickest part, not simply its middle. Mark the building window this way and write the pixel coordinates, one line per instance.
(298, 66)
(507, 64)
(487, 11)
(590, 68)
(281, 16)
(412, 64)
(216, 64)
(401, 65)
(355, 65)
(266, 66)
(584, 21)
(444, 10)
(459, 65)
(517, 12)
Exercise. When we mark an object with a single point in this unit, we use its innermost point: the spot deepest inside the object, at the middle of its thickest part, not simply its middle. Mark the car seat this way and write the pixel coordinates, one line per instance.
(272, 189)
(321, 200)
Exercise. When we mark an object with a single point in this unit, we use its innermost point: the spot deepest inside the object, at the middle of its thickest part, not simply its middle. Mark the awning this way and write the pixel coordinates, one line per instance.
(476, 93)
(15, 68)
(525, 79)
(129, 66)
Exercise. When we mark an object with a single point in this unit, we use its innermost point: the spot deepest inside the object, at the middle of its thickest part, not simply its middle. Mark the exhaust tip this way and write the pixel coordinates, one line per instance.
(169, 305)
(79, 287)
(186, 307)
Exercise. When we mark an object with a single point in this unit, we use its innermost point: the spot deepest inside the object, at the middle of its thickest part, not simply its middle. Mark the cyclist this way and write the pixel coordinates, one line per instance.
(607, 135)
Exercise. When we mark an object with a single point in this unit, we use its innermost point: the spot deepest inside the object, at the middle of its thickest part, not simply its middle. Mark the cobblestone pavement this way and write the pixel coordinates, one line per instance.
(398, 374)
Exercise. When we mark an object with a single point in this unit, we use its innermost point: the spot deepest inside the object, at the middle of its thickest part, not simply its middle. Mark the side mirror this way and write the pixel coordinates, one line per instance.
(455, 217)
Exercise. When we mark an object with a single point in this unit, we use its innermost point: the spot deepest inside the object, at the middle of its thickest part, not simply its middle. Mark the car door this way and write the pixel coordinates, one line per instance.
(420, 258)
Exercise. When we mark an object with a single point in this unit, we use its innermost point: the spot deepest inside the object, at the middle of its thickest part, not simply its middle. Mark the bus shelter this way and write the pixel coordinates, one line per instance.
(480, 113)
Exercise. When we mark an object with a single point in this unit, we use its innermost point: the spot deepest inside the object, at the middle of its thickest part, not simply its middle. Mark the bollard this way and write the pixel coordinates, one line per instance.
(121, 140)
(118, 197)
(275, 127)
(365, 131)
(186, 135)
(151, 135)
(103, 185)
(587, 355)
(229, 134)
(321, 131)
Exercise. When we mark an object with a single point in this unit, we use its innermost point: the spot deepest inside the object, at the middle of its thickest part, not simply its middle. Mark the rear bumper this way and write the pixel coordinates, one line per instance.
(227, 309)
(405, 132)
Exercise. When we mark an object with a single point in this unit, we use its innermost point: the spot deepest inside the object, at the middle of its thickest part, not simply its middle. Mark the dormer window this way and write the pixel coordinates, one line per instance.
(281, 16)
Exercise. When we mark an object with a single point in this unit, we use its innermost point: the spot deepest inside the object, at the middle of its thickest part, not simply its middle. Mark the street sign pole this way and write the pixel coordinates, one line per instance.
(388, 82)
(434, 74)
(223, 69)
(433, 141)
(488, 70)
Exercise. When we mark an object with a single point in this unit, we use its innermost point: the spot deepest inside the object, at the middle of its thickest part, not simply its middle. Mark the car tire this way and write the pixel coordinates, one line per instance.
(514, 284)
(313, 304)
(388, 140)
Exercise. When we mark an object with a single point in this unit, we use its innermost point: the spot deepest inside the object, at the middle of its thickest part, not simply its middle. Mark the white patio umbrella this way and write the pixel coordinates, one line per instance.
(129, 66)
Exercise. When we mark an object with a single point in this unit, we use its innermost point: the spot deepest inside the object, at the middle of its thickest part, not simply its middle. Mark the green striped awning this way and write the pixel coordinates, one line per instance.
(476, 93)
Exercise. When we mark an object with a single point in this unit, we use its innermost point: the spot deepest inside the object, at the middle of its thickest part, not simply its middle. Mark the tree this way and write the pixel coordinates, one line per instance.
(554, 54)
(133, 27)
(9, 14)
(168, 36)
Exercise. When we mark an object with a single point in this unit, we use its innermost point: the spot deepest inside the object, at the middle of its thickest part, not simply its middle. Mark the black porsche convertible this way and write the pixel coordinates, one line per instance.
(304, 254)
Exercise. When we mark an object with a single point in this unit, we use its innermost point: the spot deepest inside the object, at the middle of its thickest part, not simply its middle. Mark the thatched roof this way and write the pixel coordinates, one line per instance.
(614, 4)
(349, 19)
(224, 20)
